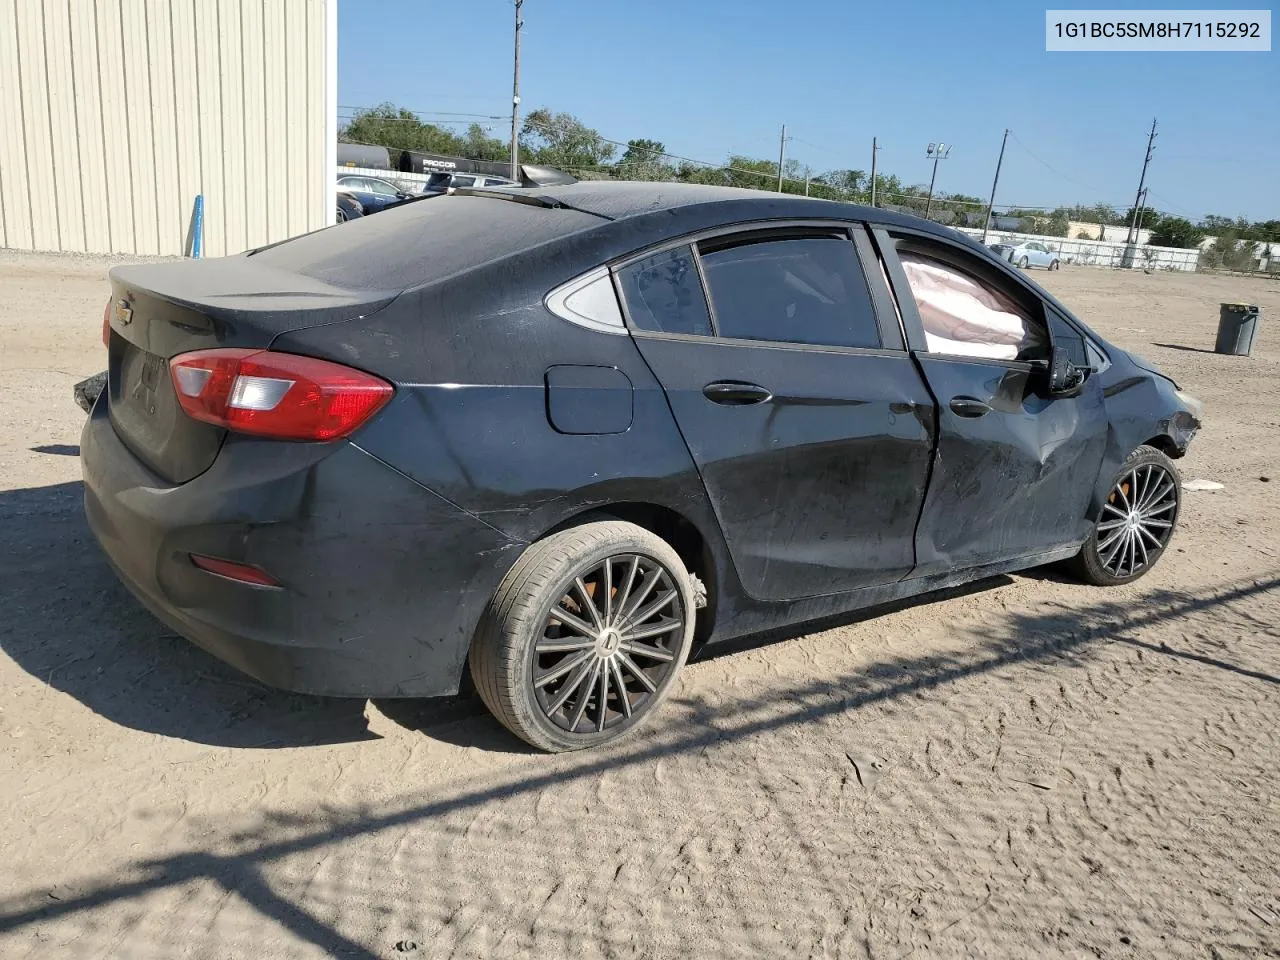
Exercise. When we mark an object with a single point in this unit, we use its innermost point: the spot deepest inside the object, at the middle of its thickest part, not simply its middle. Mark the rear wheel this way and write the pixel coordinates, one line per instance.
(585, 636)
(1024, 263)
(1136, 522)
(342, 215)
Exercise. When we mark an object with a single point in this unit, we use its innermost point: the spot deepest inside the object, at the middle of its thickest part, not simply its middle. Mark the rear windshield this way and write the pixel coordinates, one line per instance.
(422, 241)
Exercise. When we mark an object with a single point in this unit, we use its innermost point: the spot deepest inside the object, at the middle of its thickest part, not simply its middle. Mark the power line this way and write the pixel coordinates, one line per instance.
(654, 155)
(1172, 206)
(814, 145)
(350, 118)
(416, 113)
(1050, 167)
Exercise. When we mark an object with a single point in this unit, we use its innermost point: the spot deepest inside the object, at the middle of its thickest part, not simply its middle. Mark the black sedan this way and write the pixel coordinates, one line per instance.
(602, 425)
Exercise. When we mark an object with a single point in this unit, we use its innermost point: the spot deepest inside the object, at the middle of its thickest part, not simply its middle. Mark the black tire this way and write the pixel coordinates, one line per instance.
(1024, 263)
(1054, 265)
(505, 659)
(1093, 565)
(342, 216)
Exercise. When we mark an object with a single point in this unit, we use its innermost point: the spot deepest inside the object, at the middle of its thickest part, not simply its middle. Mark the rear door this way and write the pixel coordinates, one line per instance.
(806, 418)
(1015, 469)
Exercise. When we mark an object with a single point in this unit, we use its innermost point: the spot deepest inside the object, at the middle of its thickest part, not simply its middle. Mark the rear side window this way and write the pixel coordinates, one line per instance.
(798, 290)
(664, 294)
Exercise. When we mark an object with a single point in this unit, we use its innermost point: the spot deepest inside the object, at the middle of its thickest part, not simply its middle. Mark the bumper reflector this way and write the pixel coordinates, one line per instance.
(242, 572)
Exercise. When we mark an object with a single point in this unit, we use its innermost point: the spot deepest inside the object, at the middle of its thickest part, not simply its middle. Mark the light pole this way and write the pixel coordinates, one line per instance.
(938, 151)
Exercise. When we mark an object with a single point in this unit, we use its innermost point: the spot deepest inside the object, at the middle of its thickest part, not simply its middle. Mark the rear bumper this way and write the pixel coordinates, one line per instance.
(382, 581)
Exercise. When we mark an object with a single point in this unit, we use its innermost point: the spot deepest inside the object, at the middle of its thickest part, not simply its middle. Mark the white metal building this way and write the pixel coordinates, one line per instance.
(116, 114)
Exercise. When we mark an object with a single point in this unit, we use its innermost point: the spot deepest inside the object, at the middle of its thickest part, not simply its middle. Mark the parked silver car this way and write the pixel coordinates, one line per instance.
(1027, 254)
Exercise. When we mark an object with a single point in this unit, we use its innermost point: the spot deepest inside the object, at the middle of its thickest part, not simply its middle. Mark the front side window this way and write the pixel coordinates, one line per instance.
(664, 293)
(807, 290)
(382, 188)
(966, 317)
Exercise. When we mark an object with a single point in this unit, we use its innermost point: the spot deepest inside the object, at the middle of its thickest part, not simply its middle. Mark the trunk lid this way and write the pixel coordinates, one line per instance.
(158, 311)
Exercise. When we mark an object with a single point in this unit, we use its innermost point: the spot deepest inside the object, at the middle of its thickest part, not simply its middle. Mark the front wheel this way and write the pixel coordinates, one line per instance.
(1135, 523)
(585, 636)
(1054, 265)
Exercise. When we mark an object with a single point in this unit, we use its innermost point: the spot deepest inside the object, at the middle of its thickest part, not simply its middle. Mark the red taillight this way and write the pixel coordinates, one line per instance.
(234, 571)
(278, 395)
(106, 325)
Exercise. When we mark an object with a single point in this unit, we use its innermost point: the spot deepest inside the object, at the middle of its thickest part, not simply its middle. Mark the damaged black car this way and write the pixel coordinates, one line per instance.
(599, 426)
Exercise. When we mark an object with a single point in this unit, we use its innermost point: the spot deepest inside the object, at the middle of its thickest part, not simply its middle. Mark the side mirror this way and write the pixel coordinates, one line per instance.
(1065, 378)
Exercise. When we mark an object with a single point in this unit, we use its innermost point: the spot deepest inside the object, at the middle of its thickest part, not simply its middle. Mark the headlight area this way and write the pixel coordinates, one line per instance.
(1185, 423)
(1194, 407)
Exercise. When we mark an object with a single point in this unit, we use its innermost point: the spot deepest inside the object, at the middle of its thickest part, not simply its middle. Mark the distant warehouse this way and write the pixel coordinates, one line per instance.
(115, 116)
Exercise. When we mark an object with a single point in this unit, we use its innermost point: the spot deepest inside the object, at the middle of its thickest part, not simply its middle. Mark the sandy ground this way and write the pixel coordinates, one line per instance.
(1029, 768)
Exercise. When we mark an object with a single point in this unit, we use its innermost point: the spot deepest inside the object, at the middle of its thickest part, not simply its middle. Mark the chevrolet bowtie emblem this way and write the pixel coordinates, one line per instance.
(124, 313)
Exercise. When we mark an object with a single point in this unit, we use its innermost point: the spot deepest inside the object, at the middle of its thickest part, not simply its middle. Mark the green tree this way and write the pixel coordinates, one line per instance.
(1057, 225)
(643, 151)
(644, 160)
(1176, 232)
(400, 129)
(478, 145)
(562, 140)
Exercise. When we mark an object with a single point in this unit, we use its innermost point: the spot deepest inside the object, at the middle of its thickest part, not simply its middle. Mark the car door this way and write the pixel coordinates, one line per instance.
(1015, 468)
(809, 425)
(380, 194)
(362, 188)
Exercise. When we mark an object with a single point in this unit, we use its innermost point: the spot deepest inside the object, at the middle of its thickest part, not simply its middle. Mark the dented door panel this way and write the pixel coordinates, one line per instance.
(817, 488)
(1014, 481)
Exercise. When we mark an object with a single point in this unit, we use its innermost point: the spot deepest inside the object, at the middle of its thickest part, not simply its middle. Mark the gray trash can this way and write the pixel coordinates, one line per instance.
(1237, 323)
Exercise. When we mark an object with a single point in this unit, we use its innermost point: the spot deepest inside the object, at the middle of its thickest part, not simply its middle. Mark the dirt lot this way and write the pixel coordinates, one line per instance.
(1030, 768)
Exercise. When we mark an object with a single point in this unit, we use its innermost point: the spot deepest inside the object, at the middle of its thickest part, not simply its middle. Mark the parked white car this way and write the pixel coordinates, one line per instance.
(1027, 254)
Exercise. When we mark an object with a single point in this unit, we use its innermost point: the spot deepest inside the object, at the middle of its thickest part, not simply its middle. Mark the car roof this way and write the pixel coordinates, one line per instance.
(619, 216)
(622, 199)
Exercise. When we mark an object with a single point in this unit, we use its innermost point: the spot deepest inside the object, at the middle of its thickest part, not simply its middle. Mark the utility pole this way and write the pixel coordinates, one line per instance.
(938, 151)
(515, 101)
(782, 149)
(874, 150)
(986, 224)
(806, 181)
(1142, 210)
(1137, 200)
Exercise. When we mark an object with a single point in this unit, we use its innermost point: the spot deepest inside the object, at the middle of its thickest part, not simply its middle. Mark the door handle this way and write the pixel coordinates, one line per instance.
(970, 407)
(734, 393)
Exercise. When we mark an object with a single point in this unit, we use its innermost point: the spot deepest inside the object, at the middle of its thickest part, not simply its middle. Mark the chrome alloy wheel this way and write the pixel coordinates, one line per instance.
(1137, 520)
(607, 644)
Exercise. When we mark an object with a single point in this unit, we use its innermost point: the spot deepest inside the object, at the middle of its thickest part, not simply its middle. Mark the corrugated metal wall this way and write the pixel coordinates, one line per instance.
(115, 114)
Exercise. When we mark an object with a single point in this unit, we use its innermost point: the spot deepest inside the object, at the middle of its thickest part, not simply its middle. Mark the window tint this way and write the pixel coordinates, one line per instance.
(965, 317)
(803, 290)
(460, 181)
(664, 294)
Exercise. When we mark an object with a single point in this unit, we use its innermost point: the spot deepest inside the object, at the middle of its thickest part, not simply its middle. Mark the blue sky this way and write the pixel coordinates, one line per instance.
(713, 77)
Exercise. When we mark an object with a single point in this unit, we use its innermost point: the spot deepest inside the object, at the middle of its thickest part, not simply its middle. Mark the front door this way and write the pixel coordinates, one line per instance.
(811, 436)
(1015, 469)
